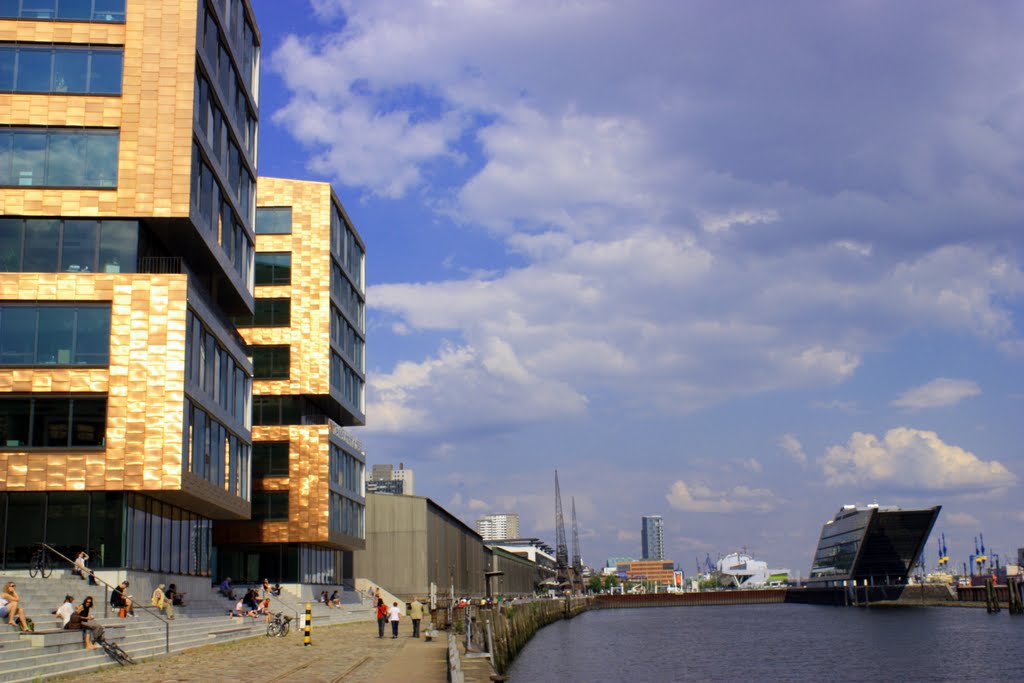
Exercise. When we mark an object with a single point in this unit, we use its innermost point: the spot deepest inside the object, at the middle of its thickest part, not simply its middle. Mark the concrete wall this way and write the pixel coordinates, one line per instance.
(519, 576)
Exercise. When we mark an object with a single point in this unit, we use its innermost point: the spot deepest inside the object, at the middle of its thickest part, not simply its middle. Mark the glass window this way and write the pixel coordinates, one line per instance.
(41, 240)
(105, 72)
(74, 9)
(89, 423)
(50, 422)
(273, 268)
(270, 362)
(14, 422)
(274, 220)
(270, 505)
(17, 335)
(78, 249)
(7, 60)
(28, 157)
(119, 243)
(108, 10)
(270, 459)
(33, 74)
(10, 244)
(70, 70)
(60, 157)
(101, 160)
(56, 335)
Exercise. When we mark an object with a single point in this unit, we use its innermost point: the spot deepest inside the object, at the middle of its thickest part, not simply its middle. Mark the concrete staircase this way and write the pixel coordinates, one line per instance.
(204, 620)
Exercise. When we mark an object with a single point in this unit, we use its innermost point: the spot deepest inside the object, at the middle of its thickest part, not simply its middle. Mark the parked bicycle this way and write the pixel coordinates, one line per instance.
(40, 563)
(279, 625)
(116, 652)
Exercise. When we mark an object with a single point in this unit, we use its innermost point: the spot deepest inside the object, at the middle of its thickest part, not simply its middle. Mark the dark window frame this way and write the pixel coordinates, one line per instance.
(89, 66)
(275, 360)
(37, 407)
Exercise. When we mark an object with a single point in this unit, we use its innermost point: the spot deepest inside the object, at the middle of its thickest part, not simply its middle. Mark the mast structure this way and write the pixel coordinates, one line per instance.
(561, 550)
(577, 559)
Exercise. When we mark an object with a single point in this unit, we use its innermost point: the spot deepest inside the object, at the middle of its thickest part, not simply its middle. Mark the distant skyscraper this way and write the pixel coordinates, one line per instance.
(498, 526)
(652, 535)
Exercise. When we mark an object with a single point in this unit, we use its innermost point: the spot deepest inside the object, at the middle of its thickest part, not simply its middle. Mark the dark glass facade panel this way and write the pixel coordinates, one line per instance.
(214, 371)
(213, 452)
(64, 10)
(269, 505)
(215, 215)
(48, 245)
(273, 268)
(274, 220)
(282, 563)
(268, 313)
(346, 381)
(52, 422)
(26, 525)
(48, 334)
(270, 459)
(65, 69)
(276, 410)
(64, 157)
(346, 247)
(156, 529)
(270, 362)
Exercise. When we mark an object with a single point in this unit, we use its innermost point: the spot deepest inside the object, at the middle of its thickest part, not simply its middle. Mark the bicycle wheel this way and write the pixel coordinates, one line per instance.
(33, 566)
(117, 653)
(284, 628)
(44, 566)
(273, 629)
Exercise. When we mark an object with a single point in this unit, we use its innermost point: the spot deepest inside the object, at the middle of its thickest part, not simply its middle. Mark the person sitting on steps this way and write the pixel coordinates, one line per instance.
(161, 602)
(10, 606)
(121, 601)
(82, 620)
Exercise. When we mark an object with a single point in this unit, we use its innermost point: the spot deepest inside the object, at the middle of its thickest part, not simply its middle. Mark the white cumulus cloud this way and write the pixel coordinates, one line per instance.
(793, 448)
(701, 498)
(907, 458)
(938, 393)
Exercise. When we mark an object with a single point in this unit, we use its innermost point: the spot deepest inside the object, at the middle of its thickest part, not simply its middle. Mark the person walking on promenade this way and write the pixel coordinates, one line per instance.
(382, 616)
(10, 606)
(416, 614)
(394, 615)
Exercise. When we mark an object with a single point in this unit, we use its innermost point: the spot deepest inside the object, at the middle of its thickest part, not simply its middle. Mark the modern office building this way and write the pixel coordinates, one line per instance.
(652, 536)
(391, 486)
(871, 545)
(384, 478)
(127, 191)
(306, 341)
(661, 572)
(498, 526)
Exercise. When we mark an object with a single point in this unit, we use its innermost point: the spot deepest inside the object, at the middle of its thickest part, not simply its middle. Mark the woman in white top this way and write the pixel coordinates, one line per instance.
(80, 567)
(394, 615)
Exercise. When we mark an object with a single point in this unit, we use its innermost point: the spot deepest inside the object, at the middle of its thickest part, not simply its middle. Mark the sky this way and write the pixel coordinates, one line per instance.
(732, 263)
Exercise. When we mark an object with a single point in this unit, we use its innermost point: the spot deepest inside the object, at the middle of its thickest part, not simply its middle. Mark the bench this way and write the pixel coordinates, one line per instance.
(51, 637)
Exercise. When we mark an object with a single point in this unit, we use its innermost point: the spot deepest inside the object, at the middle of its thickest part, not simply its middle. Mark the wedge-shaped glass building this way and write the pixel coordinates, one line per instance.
(872, 545)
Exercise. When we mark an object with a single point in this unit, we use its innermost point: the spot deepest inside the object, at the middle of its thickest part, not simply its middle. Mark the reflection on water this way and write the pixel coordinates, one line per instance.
(777, 643)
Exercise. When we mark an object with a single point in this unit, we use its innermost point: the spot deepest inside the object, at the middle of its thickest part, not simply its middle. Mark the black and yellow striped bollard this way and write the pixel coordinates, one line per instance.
(306, 639)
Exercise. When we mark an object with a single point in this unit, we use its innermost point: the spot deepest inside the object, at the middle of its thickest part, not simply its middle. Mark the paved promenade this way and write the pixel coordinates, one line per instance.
(346, 652)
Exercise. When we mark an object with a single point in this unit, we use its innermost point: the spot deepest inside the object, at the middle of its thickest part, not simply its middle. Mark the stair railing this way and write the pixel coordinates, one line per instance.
(108, 588)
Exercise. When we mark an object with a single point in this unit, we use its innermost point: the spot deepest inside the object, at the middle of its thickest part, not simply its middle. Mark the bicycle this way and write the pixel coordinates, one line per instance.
(116, 652)
(279, 625)
(40, 563)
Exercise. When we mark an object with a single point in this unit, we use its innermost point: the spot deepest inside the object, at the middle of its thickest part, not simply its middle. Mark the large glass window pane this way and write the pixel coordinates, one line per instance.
(50, 423)
(199, 443)
(270, 362)
(28, 158)
(119, 245)
(89, 422)
(33, 70)
(92, 336)
(74, 9)
(67, 521)
(78, 250)
(101, 157)
(7, 54)
(56, 335)
(17, 335)
(274, 220)
(105, 534)
(7, 176)
(41, 246)
(29, 509)
(270, 459)
(14, 422)
(273, 268)
(65, 167)
(108, 10)
(70, 70)
(10, 244)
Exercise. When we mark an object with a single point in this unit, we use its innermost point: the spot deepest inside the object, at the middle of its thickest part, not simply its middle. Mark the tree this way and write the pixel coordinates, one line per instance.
(611, 581)
(595, 584)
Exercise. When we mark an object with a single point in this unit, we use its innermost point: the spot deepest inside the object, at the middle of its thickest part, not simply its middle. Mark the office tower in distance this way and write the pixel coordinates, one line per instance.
(127, 190)
(498, 526)
(384, 478)
(652, 535)
(307, 344)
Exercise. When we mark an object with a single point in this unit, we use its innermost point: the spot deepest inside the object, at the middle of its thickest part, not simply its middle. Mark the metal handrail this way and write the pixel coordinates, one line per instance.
(148, 608)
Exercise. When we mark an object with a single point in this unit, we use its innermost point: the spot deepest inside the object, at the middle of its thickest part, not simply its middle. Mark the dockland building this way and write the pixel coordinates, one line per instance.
(307, 343)
(128, 201)
(652, 537)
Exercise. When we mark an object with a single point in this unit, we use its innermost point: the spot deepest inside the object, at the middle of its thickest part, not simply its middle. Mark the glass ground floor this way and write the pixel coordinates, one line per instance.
(119, 530)
(285, 563)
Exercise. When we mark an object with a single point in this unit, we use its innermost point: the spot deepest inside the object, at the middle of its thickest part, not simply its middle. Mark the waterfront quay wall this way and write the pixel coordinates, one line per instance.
(504, 629)
(737, 597)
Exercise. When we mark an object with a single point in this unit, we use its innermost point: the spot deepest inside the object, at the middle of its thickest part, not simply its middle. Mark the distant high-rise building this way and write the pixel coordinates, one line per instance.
(498, 526)
(382, 475)
(652, 535)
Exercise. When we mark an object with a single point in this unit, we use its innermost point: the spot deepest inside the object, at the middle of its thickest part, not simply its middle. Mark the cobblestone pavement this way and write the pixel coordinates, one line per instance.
(345, 652)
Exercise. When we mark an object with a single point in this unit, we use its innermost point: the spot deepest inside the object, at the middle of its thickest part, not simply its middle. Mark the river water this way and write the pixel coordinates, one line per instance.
(750, 643)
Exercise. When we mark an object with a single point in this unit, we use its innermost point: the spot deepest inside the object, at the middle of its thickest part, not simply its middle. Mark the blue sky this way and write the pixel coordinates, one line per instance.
(736, 264)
